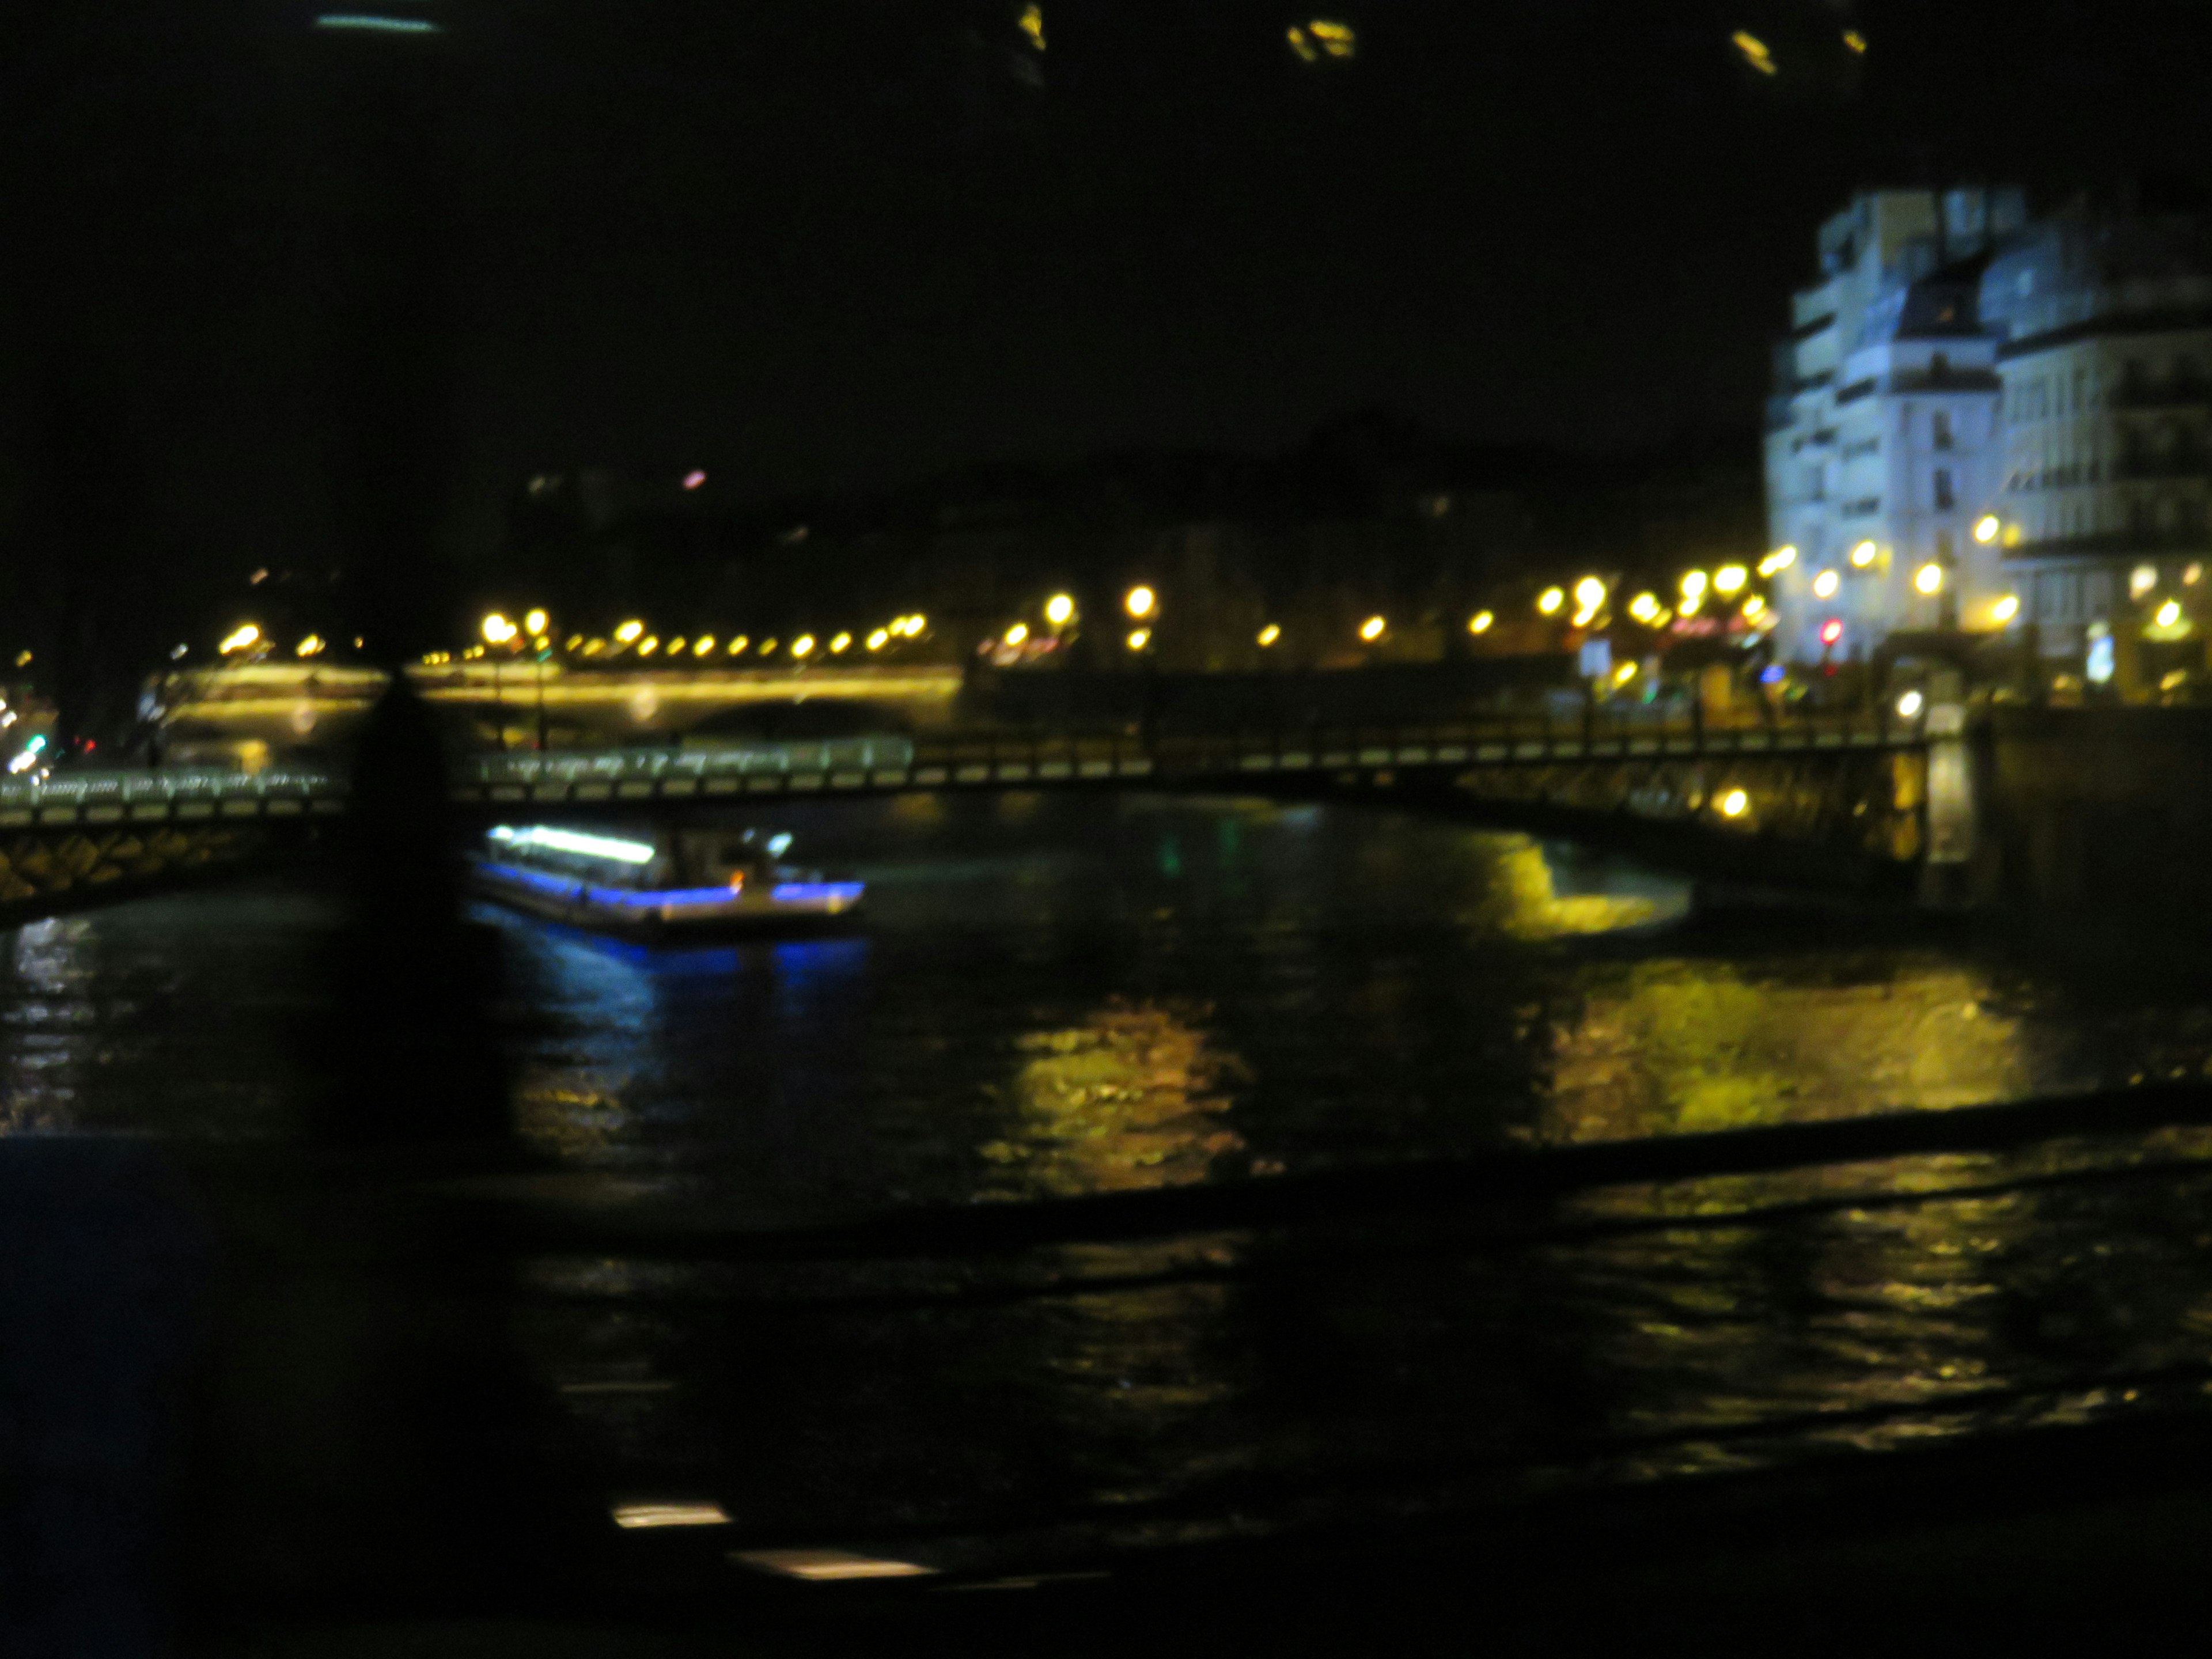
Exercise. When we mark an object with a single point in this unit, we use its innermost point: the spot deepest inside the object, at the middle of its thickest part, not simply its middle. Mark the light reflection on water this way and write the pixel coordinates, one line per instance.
(1056, 998)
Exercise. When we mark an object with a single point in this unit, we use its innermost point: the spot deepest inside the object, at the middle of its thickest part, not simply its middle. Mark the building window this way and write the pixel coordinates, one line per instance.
(1939, 427)
(1943, 549)
(1939, 365)
(1943, 488)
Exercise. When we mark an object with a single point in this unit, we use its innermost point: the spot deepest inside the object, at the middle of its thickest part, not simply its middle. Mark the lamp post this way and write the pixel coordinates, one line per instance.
(1143, 606)
(497, 631)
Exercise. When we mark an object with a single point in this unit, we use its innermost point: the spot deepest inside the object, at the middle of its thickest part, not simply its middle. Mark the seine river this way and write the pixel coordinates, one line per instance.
(1057, 997)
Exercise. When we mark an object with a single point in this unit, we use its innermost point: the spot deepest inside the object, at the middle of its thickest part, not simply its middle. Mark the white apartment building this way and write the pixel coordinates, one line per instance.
(1884, 444)
(2104, 314)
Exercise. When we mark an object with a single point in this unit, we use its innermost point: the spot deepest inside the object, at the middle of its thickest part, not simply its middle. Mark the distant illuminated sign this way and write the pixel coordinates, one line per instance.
(2101, 662)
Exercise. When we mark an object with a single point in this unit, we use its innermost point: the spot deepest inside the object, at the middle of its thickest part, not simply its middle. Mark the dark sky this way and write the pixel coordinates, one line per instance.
(846, 242)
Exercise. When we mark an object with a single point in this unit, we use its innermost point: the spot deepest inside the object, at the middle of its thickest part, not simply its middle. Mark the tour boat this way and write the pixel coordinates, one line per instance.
(702, 880)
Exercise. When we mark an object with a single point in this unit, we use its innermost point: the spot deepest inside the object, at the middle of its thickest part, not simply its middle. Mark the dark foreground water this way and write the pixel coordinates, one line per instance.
(1051, 999)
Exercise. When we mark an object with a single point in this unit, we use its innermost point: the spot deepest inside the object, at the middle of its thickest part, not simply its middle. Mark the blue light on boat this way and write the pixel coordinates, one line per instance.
(833, 893)
(820, 892)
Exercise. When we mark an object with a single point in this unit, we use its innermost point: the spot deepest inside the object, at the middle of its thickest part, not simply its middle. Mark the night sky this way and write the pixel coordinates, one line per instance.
(848, 242)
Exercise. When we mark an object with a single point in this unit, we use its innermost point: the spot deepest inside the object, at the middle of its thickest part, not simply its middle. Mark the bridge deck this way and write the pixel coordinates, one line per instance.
(878, 765)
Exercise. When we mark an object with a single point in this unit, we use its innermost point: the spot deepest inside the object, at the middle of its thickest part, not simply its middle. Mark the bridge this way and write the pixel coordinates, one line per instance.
(1832, 800)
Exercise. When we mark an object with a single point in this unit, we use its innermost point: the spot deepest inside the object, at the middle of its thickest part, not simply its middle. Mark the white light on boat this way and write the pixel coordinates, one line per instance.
(568, 841)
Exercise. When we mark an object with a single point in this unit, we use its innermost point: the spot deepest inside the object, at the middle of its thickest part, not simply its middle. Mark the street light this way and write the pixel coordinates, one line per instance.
(1139, 602)
(535, 623)
(802, 646)
(1645, 607)
(2006, 608)
(1371, 629)
(243, 637)
(1589, 593)
(1269, 634)
(1729, 578)
(1138, 638)
(628, 632)
(1016, 634)
(1551, 600)
(1986, 528)
(1928, 579)
(1479, 622)
(1863, 555)
(1059, 609)
(1826, 584)
(497, 630)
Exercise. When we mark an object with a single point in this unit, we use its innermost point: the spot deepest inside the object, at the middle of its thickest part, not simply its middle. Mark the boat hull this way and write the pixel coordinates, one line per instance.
(792, 909)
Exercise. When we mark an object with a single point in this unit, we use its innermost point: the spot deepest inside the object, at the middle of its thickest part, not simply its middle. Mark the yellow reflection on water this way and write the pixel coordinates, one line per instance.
(1523, 899)
(1694, 1045)
(1134, 1096)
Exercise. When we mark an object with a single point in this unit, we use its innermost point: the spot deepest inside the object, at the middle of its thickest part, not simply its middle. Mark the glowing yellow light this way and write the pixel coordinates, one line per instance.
(876, 641)
(1731, 579)
(1032, 25)
(497, 630)
(1693, 584)
(593, 647)
(1986, 528)
(1058, 609)
(534, 621)
(1863, 555)
(2193, 575)
(1371, 629)
(2006, 608)
(677, 645)
(2168, 614)
(1909, 705)
(1551, 600)
(1300, 44)
(1269, 634)
(1754, 51)
(802, 646)
(1928, 579)
(1589, 593)
(767, 647)
(1480, 622)
(243, 637)
(1826, 584)
(1626, 672)
(670, 1514)
(1017, 633)
(648, 645)
(312, 645)
(629, 631)
(702, 645)
(1854, 41)
(1138, 638)
(1735, 804)
(2141, 580)
(1781, 559)
(1138, 601)
(1754, 607)
(917, 621)
(738, 644)
(1643, 607)
(840, 644)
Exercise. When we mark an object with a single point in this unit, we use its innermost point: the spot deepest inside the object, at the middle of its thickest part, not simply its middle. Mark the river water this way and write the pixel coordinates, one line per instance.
(1054, 997)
